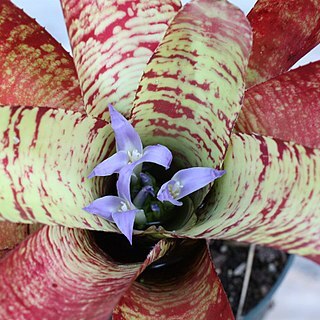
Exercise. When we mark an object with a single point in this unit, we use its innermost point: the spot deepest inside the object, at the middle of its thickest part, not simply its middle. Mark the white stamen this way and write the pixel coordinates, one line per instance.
(123, 207)
(134, 155)
(175, 189)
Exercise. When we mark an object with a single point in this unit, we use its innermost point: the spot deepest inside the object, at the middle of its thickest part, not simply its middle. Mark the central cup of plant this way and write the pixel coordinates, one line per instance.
(146, 194)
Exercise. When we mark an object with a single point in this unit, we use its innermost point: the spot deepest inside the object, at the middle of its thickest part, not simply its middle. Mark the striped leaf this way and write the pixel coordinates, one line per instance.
(269, 195)
(60, 273)
(46, 155)
(190, 93)
(189, 290)
(283, 32)
(35, 69)
(112, 41)
(286, 107)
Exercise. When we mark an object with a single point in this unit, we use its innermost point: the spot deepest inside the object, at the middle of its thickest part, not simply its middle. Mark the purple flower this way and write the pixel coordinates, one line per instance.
(187, 181)
(127, 163)
(119, 209)
(129, 149)
(130, 154)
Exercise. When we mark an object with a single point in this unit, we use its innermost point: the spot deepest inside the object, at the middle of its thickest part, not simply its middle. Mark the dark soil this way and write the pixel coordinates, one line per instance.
(230, 262)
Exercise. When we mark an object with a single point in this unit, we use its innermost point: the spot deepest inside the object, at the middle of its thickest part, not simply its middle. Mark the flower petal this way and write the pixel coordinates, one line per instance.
(155, 154)
(111, 165)
(60, 273)
(123, 183)
(194, 179)
(187, 181)
(286, 107)
(35, 69)
(165, 195)
(192, 290)
(158, 154)
(190, 93)
(270, 196)
(125, 221)
(45, 157)
(127, 138)
(295, 29)
(111, 53)
(104, 206)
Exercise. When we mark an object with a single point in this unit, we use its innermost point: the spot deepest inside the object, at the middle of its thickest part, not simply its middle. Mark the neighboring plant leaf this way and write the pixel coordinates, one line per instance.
(46, 155)
(286, 107)
(35, 69)
(283, 32)
(59, 273)
(111, 53)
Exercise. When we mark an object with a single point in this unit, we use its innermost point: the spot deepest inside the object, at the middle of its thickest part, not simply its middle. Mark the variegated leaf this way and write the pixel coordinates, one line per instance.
(283, 32)
(35, 69)
(191, 91)
(60, 273)
(46, 155)
(269, 195)
(285, 107)
(189, 290)
(112, 41)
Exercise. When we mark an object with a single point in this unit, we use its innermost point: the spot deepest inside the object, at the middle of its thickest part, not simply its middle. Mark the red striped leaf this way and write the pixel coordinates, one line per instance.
(112, 42)
(60, 273)
(269, 195)
(45, 157)
(191, 91)
(191, 291)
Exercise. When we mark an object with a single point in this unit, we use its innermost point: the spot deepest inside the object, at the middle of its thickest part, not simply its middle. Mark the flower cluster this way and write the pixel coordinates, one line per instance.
(180, 73)
(135, 187)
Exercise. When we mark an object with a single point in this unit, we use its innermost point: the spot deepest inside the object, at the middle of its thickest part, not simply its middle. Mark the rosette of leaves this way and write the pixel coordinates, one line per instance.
(178, 74)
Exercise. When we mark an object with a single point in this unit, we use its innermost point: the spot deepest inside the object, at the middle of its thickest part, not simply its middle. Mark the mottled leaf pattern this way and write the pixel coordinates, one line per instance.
(270, 195)
(112, 41)
(59, 273)
(283, 32)
(46, 155)
(35, 69)
(195, 294)
(285, 107)
(190, 93)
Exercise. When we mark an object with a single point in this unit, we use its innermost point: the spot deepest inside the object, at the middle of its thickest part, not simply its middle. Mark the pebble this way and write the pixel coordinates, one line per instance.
(239, 270)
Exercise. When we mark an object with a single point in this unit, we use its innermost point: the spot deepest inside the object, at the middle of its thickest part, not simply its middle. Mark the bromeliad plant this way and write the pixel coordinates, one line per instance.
(187, 101)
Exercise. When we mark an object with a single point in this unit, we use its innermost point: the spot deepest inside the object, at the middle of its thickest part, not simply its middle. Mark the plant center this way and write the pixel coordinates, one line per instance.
(144, 191)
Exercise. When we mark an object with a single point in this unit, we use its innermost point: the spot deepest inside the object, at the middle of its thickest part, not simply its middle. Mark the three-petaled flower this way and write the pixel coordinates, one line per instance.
(129, 149)
(177, 73)
(130, 156)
